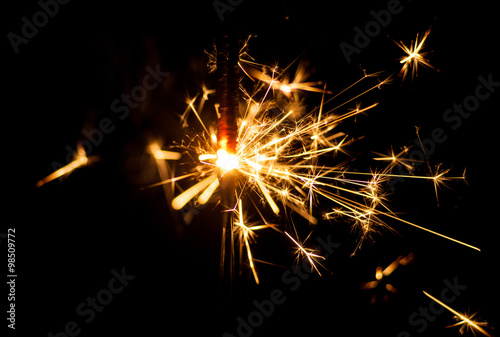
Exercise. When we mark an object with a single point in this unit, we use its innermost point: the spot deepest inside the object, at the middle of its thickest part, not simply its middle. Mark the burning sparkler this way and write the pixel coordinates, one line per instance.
(381, 273)
(268, 153)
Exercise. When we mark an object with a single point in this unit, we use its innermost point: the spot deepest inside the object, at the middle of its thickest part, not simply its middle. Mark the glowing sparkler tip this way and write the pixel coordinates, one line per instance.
(285, 88)
(227, 161)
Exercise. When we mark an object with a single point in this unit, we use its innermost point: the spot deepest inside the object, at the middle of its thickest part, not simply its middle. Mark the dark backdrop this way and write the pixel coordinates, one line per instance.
(72, 234)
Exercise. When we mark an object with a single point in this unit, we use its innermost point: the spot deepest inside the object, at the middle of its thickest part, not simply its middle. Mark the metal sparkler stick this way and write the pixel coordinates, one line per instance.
(227, 95)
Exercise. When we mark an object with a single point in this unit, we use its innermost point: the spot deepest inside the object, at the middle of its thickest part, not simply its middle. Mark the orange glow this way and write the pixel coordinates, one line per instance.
(80, 160)
(227, 161)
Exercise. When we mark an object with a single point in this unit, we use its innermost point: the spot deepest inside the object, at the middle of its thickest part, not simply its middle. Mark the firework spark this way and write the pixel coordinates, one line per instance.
(466, 321)
(414, 56)
(380, 273)
(79, 160)
(307, 253)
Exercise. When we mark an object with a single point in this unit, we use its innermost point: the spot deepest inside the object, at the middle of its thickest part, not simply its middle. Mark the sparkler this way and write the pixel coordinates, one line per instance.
(271, 153)
(268, 151)
(466, 321)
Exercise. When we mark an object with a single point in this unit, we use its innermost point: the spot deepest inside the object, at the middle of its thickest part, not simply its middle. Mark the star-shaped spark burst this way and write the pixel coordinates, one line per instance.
(466, 321)
(414, 56)
(307, 253)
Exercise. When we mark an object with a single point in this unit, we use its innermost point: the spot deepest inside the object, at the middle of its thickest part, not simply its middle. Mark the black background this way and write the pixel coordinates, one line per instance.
(71, 234)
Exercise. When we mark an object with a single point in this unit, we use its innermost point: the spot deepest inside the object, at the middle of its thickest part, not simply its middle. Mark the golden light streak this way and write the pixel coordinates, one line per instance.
(80, 160)
(207, 193)
(207, 156)
(390, 268)
(245, 233)
(168, 155)
(465, 321)
(308, 253)
(182, 199)
(432, 232)
(268, 197)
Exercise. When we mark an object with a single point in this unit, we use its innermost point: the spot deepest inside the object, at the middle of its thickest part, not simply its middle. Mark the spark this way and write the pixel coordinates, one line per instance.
(310, 254)
(160, 154)
(79, 160)
(381, 273)
(396, 159)
(246, 234)
(278, 155)
(414, 56)
(182, 199)
(467, 322)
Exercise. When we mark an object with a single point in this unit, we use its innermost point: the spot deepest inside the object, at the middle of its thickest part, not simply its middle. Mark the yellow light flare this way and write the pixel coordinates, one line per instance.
(182, 199)
(308, 253)
(391, 288)
(414, 56)
(207, 193)
(258, 74)
(168, 155)
(369, 285)
(158, 153)
(390, 268)
(80, 160)
(431, 231)
(213, 137)
(407, 259)
(268, 197)
(380, 273)
(203, 157)
(467, 322)
(227, 161)
(396, 159)
(285, 88)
